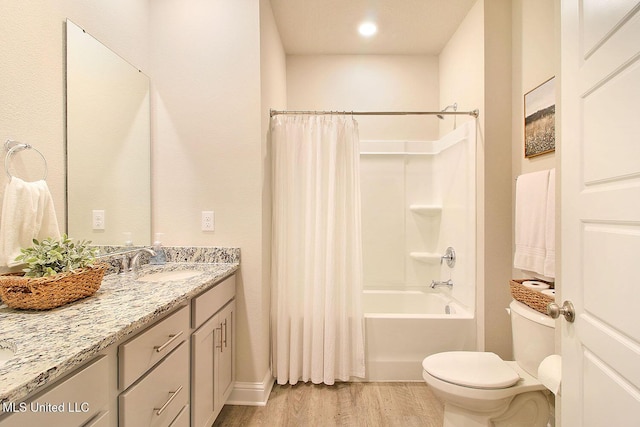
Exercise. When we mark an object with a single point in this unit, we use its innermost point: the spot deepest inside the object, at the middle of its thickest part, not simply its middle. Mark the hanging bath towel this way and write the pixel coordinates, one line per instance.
(530, 223)
(27, 213)
(550, 228)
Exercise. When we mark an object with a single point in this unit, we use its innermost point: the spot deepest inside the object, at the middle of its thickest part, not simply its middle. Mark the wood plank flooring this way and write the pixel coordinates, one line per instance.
(342, 404)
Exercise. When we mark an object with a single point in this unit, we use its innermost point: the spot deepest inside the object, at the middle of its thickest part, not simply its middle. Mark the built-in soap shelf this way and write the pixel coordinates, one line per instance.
(427, 210)
(426, 257)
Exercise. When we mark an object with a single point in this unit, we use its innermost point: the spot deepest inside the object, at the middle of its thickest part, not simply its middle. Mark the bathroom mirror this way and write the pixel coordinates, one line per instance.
(108, 145)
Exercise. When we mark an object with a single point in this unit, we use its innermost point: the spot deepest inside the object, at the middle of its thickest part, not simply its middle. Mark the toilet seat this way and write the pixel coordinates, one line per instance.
(480, 370)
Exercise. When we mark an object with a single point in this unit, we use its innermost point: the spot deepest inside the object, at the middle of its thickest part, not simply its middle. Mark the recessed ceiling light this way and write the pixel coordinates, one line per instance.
(367, 29)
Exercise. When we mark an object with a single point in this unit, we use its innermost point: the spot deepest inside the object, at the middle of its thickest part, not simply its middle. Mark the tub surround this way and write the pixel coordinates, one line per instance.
(52, 343)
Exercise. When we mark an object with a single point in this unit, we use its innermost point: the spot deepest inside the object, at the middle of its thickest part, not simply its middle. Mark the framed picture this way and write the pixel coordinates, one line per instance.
(540, 119)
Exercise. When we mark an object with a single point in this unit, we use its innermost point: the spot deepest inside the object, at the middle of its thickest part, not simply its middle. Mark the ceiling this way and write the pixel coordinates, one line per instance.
(404, 26)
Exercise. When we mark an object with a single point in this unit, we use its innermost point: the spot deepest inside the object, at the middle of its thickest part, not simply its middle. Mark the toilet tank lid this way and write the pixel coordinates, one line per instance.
(471, 369)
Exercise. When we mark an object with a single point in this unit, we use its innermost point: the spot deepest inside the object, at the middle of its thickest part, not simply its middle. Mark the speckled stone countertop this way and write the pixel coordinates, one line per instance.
(51, 343)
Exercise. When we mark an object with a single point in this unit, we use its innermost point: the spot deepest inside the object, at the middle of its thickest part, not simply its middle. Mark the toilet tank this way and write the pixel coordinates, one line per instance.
(533, 336)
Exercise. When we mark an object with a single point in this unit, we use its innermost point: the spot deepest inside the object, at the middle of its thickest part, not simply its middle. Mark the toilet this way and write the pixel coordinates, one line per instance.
(481, 389)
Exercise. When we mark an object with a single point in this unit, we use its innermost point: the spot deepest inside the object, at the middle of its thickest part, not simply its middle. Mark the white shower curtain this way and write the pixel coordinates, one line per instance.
(316, 309)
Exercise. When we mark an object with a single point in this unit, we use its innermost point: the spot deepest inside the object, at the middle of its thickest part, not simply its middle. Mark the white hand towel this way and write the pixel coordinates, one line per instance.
(550, 233)
(530, 222)
(27, 213)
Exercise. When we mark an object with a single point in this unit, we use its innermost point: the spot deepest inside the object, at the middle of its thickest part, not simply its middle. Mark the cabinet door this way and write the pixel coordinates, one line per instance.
(225, 355)
(203, 348)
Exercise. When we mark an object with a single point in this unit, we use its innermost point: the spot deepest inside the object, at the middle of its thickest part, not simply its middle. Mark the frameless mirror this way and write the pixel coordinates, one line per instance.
(108, 145)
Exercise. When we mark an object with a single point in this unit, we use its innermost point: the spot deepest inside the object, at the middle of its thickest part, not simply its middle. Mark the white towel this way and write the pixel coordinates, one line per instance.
(550, 233)
(27, 213)
(530, 222)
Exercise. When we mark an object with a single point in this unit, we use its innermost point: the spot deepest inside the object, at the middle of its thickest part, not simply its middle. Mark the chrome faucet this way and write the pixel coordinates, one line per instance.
(436, 283)
(134, 261)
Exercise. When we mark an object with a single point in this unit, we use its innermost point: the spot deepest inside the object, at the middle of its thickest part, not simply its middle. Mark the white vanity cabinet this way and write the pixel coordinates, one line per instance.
(80, 399)
(212, 352)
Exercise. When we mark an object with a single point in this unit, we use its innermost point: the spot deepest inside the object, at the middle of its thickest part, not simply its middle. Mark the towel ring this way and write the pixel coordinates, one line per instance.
(13, 147)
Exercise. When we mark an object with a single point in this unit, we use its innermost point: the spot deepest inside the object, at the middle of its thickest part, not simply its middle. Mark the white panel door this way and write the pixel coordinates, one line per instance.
(600, 198)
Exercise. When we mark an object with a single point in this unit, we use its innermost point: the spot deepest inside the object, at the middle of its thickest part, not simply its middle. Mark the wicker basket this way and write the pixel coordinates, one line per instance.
(45, 293)
(531, 297)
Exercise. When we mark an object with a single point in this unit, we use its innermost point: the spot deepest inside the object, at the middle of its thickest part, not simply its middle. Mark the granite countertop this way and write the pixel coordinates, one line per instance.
(52, 343)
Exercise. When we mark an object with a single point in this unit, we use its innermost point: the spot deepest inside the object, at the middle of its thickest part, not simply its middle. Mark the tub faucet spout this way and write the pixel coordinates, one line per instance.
(436, 283)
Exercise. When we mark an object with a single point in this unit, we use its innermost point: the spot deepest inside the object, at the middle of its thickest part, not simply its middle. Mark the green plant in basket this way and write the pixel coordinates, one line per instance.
(53, 256)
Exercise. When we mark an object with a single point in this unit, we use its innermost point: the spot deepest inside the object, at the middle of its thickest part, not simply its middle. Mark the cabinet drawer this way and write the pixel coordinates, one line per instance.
(157, 399)
(147, 348)
(208, 303)
(71, 402)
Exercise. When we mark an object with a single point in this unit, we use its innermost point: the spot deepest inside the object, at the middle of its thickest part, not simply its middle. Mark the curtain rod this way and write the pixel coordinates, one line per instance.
(473, 113)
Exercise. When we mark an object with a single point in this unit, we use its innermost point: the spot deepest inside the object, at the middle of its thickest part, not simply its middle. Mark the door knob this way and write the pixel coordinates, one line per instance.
(567, 310)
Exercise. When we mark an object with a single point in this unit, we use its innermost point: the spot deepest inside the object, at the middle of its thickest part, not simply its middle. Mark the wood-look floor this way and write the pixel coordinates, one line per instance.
(342, 404)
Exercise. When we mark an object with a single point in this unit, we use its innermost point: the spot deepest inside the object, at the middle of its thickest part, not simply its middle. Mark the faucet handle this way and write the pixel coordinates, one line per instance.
(449, 256)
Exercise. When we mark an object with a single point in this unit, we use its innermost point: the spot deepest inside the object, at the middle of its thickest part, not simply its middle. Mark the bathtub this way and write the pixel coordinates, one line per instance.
(403, 327)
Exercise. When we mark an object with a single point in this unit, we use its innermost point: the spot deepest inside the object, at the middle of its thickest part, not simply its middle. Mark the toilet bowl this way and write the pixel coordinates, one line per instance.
(480, 389)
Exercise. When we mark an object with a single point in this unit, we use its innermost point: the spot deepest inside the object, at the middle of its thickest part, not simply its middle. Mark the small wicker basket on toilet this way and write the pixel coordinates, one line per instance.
(45, 293)
(530, 297)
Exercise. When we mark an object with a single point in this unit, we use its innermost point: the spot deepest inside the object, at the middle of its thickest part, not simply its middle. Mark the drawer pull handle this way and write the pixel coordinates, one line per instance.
(168, 402)
(171, 339)
(219, 329)
(225, 333)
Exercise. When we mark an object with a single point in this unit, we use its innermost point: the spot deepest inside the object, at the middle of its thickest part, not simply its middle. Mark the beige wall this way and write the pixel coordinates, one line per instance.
(208, 149)
(497, 176)
(369, 83)
(475, 70)
(274, 96)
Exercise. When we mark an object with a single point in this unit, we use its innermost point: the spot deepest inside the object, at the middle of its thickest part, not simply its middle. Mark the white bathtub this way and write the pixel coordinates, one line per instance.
(403, 327)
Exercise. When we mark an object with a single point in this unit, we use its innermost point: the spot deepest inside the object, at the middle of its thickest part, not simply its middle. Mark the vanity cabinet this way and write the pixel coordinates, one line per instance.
(212, 352)
(80, 399)
(177, 372)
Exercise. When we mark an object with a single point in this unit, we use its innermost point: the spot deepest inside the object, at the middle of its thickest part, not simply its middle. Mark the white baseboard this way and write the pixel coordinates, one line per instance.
(252, 393)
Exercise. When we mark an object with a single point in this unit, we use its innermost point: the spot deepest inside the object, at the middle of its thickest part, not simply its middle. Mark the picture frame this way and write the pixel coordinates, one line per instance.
(540, 119)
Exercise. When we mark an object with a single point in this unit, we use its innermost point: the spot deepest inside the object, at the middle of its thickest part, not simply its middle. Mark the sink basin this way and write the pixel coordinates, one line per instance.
(165, 276)
(7, 350)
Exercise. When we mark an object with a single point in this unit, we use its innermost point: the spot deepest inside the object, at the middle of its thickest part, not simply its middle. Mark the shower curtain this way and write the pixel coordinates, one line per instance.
(317, 331)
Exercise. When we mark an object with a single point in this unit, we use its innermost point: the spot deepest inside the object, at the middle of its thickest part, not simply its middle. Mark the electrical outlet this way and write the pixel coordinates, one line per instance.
(98, 219)
(208, 221)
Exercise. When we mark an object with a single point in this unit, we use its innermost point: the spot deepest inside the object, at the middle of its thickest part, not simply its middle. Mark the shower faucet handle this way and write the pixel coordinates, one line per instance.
(449, 256)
